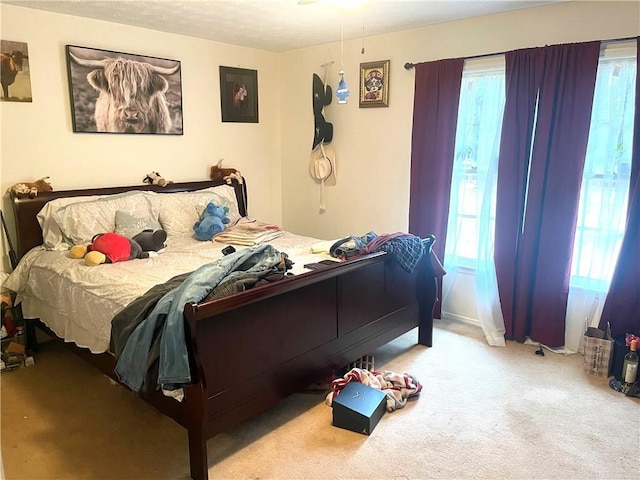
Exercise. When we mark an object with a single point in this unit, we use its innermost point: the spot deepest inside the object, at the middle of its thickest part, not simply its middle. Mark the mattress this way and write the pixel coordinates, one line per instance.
(77, 302)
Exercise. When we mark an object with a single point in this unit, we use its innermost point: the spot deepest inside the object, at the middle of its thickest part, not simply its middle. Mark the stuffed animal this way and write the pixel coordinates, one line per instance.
(30, 189)
(112, 247)
(226, 174)
(237, 176)
(154, 178)
(151, 241)
(212, 220)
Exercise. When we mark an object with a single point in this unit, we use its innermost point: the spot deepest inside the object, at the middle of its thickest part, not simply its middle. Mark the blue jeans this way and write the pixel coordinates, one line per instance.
(174, 362)
(350, 246)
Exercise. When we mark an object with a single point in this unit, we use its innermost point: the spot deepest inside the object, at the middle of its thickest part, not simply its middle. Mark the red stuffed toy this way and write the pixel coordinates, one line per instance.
(112, 247)
(116, 247)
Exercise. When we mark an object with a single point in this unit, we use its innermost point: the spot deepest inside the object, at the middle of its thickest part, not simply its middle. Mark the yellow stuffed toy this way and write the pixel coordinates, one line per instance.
(90, 258)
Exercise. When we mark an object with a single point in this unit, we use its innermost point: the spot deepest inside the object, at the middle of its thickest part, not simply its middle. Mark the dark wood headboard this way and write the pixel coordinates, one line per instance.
(25, 210)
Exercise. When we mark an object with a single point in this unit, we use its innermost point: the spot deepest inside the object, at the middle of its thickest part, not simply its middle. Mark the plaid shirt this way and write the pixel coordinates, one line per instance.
(405, 248)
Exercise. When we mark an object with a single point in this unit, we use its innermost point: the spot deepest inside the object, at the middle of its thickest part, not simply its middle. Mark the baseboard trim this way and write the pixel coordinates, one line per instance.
(461, 318)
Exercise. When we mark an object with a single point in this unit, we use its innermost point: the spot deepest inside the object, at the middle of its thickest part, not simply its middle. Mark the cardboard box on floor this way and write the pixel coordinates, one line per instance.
(16, 339)
(13, 356)
(16, 348)
(358, 408)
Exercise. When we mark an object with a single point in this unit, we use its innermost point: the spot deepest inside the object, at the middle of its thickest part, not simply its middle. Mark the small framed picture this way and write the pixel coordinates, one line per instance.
(16, 79)
(239, 94)
(125, 93)
(374, 84)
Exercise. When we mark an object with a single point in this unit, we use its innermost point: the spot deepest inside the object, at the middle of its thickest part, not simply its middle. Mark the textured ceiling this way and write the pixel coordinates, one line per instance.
(276, 25)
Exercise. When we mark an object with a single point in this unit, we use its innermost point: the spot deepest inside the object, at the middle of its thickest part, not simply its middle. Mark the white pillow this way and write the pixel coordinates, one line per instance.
(51, 234)
(180, 210)
(80, 222)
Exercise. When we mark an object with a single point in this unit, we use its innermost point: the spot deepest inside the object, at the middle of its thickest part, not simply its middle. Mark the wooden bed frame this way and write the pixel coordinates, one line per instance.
(280, 337)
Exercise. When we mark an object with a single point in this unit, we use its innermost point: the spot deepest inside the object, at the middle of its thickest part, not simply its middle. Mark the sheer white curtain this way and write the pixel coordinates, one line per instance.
(470, 231)
(605, 189)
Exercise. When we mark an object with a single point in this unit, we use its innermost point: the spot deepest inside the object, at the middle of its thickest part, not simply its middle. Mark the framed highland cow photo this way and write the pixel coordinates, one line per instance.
(239, 94)
(114, 92)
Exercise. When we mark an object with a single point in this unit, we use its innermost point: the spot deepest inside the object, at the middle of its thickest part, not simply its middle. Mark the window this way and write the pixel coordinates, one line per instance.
(605, 185)
(476, 152)
(605, 182)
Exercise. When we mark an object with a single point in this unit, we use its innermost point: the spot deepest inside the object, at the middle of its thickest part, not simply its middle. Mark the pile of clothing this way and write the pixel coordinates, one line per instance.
(405, 248)
(398, 387)
(148, 336)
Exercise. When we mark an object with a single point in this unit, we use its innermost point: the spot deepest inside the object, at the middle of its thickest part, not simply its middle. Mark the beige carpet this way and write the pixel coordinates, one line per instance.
(491, 413)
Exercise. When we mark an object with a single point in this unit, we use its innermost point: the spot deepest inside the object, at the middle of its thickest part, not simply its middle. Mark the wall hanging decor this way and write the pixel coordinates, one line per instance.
(239, 94)
(342, 91)
(322, 166)
(322, 130)
(14, 72)
(374, 84)
(114, 92)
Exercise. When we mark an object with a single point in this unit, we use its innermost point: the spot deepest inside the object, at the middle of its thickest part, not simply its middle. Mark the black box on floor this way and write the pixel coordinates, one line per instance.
(359, 407)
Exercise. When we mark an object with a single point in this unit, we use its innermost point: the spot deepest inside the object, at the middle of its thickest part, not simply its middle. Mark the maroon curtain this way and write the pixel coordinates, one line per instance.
(622, 306)
(543, 240)
(523, 72)
(435, 116)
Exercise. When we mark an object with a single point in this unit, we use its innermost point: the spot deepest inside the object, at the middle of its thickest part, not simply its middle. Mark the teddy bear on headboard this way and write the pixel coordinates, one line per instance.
(31, 189)
(112, 247)
(226, 174)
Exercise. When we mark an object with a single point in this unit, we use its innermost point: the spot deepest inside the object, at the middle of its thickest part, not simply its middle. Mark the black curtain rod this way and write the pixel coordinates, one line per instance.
(410, 65)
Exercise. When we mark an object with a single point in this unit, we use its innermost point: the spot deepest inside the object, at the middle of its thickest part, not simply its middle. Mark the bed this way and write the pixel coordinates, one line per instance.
(280, 337)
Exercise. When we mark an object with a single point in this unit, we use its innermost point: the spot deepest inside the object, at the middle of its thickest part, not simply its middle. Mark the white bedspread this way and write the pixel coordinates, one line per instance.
(78, 302)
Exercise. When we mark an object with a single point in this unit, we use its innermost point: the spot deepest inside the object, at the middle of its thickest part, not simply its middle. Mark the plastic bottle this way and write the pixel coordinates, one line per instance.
(630, 365)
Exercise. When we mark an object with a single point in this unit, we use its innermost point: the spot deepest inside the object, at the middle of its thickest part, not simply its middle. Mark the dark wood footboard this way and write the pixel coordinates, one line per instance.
(278, 339)
(252, 349)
